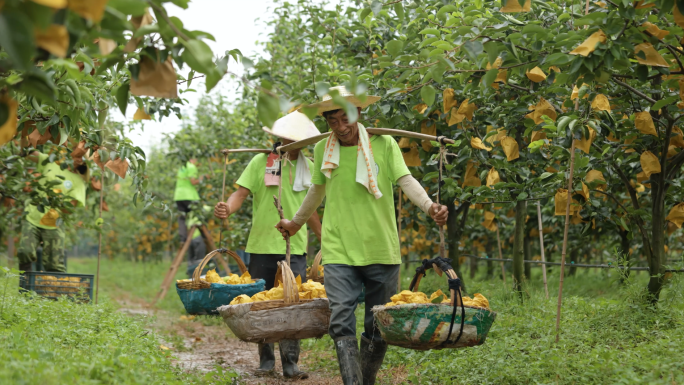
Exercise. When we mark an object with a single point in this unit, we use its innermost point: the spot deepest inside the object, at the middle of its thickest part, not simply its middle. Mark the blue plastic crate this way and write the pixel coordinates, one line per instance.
(53, 285)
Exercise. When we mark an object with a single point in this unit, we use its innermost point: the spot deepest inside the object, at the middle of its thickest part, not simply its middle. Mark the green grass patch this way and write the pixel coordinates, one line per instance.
(63, 342)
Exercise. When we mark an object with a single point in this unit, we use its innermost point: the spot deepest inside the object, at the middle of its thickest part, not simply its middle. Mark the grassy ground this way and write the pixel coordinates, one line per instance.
(63, 342)
(608, 334)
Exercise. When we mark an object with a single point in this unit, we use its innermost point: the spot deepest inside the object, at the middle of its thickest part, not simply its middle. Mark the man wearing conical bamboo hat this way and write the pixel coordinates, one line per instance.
(360, 244)
(260, 179)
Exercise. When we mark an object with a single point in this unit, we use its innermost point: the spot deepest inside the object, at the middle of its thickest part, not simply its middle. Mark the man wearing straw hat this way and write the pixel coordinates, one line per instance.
(360, 244)
(261, 179)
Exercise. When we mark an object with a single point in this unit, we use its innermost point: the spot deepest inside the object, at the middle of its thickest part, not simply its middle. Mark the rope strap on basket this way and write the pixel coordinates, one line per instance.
(444, 264)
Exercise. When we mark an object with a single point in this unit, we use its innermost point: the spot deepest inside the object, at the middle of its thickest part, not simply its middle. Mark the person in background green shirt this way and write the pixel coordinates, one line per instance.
(360, 245)
(185, 194)
(264, 244)
(45, 226)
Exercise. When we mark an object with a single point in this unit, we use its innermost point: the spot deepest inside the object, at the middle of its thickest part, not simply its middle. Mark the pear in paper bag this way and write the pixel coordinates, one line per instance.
(589, 45)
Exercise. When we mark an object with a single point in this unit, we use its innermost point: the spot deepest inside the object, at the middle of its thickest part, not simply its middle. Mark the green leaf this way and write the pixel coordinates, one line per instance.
(438, 299)
(268, 109)
(492, 49)
(39, 85)
(399, 10)
(16, 38)
(430, 31)
(122, 97)
(198, 55)
(395, 47)
(376, 7)
(427, 93)
(441, 14)
(664, 102)
(129, 7)
(473, 49)
(546, 175)
(489, 77)
(146, 30)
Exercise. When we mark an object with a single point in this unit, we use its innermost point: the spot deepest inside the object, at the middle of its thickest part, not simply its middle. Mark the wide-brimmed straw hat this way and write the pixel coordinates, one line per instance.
(327, 104)
(294, 126)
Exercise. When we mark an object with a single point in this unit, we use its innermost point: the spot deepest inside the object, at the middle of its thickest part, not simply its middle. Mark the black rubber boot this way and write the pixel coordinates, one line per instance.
(348, 357)
(372, 355)
(289, 356)
(266, 359)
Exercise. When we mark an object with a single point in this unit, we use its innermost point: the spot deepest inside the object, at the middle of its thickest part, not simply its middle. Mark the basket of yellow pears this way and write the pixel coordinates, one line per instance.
(204, 295)
(290, 310)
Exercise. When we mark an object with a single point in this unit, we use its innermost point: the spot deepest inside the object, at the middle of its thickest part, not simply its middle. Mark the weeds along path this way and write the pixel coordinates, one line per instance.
(204, 344)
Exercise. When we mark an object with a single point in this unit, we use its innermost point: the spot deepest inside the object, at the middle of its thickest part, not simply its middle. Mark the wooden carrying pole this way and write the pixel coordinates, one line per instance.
(565, 238)
(372, 131)
(541, 245)
(279, 207)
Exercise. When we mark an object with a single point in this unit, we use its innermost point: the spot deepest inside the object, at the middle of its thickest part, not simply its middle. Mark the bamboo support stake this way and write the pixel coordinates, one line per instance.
(164, 288)
(503, 268)
(10, 244)
(565, 238)
(541, 244)
(442, 248)
(99, 243)
(399, 234)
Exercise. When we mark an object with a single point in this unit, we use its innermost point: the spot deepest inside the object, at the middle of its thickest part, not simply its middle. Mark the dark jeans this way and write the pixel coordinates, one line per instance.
(184, 208)
(343, 284)
(265, 266)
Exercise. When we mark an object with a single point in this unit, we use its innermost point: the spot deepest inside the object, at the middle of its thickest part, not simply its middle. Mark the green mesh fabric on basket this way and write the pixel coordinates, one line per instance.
(426, 326)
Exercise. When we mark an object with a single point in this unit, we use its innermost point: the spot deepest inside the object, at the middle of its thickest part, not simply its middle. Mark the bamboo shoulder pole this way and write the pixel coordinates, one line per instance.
(565, 238)
(541, 245)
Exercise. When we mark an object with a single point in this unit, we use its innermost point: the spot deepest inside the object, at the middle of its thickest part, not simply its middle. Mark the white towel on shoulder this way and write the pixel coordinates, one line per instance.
(366, 172)
(302, 180)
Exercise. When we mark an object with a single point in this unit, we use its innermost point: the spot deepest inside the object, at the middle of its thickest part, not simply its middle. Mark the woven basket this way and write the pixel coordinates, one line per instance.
(287, 318)
(201, 297)
(199, 283)
(314, 269)
(426, 326)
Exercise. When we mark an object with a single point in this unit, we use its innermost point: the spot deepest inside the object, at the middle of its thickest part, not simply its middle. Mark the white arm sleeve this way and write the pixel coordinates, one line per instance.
(415, 192)
(314, 198)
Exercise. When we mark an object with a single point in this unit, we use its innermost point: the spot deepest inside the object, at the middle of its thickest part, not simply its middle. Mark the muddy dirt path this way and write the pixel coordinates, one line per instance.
(198, 346)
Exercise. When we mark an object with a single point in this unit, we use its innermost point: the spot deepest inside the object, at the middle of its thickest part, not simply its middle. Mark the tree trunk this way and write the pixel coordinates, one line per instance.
(518, 240)
(655, 264)
(528, 257)
(454, 232)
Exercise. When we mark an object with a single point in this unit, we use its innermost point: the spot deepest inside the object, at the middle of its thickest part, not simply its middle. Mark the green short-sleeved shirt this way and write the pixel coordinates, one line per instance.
(73, 187)
(264, 238)
(358, 229)
(185, 191)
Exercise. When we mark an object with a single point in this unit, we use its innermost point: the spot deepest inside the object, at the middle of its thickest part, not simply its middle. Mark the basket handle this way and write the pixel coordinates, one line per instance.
(439, 264)
(316, 263)
(290, 291)
(198, 271)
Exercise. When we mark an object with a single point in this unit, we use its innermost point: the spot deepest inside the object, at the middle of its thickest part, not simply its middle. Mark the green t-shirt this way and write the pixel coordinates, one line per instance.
(264, 238)
(358, 229)
(185, 191)
(73, 187)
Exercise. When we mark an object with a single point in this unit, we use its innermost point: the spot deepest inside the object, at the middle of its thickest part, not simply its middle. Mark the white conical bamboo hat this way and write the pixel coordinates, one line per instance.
(293, 126)
(327, 104)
